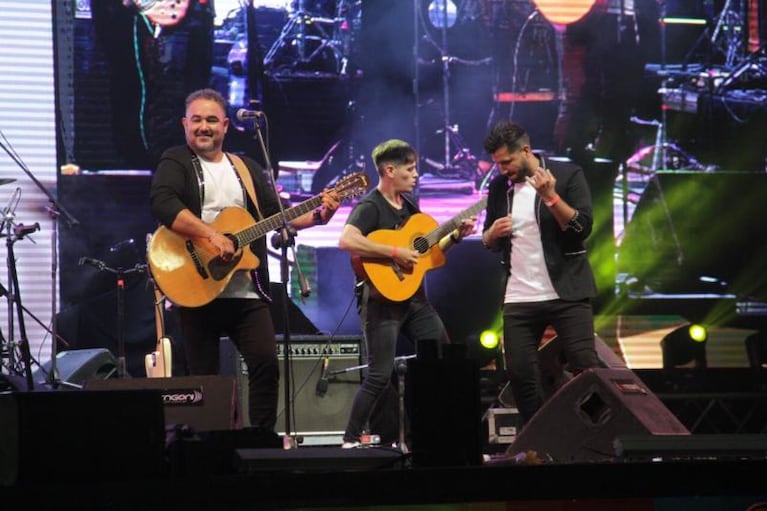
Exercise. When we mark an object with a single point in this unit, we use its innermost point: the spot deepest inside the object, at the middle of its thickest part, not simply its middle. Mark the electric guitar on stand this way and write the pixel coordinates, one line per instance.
(420, 232)
(190, 272)
(159, 363)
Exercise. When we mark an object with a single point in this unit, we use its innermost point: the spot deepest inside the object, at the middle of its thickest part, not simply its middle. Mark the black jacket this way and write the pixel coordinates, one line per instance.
(564, 251)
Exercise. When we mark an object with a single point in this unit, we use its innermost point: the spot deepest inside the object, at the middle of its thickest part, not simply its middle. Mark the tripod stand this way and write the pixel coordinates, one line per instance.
(12, 236)
(120, 274)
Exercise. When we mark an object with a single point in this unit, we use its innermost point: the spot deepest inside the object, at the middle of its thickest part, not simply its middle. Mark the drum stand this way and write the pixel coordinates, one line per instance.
(308, 38)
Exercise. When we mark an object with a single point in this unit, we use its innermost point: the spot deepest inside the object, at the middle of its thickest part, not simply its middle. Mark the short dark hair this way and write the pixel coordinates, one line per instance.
(506, 133)
(394, 151)
(209, 94)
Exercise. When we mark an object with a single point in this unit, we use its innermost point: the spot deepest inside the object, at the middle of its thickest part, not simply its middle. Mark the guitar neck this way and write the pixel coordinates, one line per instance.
(259, 229)
(443, 230)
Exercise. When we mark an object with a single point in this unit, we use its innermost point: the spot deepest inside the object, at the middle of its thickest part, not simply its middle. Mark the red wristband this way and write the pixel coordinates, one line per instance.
(554, 200)
(394, 252)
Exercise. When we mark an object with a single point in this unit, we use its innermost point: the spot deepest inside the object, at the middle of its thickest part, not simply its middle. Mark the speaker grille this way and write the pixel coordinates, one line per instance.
(311, 413)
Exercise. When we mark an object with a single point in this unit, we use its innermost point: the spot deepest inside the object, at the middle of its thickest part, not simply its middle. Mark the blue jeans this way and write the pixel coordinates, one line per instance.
(382, 322)
(523, 327)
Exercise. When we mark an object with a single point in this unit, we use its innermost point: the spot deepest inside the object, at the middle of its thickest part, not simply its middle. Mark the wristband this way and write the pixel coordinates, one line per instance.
(553, 201)
(394, 252)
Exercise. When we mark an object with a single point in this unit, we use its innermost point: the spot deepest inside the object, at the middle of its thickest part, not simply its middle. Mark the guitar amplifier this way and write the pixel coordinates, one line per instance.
(312, 413)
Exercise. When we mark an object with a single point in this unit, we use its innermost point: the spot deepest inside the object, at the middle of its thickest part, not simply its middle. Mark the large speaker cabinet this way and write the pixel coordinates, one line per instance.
(205, 403)
(583, 419)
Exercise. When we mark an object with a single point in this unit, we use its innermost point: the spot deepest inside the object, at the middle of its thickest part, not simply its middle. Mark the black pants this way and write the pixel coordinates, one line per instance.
(523, 327)
(248, 323)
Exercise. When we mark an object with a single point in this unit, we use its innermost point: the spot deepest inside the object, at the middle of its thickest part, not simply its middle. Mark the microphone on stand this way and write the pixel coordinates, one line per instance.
(243, 114)
(322, 383)
(92, 262)
(22, 230)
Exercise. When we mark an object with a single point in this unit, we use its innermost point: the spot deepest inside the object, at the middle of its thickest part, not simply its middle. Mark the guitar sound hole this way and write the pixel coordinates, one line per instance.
(421, 245)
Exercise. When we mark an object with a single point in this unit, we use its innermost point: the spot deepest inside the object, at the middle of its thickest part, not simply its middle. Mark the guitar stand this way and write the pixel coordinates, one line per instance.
(120, 274)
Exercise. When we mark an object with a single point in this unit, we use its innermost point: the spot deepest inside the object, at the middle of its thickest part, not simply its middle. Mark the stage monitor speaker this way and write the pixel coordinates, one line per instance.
(553, 363)
(77, 366)
(204, 403)
(76, 436)
(311, 413)
(583, 419)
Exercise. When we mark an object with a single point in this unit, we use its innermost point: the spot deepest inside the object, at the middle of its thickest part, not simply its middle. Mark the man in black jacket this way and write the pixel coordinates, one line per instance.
(538, 216)
(191, 186)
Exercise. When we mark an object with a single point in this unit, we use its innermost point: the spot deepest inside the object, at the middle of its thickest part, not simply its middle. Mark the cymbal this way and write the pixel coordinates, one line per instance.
(6, 180)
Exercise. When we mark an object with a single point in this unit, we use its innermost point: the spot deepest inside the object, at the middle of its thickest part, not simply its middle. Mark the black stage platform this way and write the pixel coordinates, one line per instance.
(116, 450)
(701, 484)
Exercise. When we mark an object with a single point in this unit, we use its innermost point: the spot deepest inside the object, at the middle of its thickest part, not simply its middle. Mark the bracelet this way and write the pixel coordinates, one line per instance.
(394, 252)
(553, 201)
(317, 216)
(454, 238)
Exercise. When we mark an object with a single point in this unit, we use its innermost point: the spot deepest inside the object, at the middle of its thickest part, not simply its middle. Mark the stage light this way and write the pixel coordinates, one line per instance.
(489, 339)
(698, 333)
(685, 346)
(442, 13)
(485, 348)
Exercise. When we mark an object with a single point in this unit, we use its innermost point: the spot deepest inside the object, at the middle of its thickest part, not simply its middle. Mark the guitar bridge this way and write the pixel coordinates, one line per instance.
(197, 264)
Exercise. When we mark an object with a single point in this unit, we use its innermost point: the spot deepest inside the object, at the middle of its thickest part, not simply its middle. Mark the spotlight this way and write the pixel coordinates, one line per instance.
(485, 347)
(685, 346)
(489, 339)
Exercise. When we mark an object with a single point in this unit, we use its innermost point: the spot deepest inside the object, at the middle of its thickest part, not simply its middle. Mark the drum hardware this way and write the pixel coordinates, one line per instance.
(306, 39)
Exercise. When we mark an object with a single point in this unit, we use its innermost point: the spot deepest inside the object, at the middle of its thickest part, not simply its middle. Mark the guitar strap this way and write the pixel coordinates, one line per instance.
(246, 179)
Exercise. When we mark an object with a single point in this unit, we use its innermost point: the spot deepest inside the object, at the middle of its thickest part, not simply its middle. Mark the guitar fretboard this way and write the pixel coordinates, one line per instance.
(440, 232)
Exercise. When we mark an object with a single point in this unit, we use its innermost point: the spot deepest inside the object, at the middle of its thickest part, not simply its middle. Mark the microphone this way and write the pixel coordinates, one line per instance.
(243, 114)
(322, 383)
(22, 230)
(92, 262)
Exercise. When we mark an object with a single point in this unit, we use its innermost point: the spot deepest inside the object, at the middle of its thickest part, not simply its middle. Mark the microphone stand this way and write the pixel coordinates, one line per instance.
(400, 367)
(26, 356)
(55, 209)
(287, 239)
(120, 274)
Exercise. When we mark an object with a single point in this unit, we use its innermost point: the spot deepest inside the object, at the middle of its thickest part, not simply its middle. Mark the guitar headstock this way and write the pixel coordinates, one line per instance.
(352, 185)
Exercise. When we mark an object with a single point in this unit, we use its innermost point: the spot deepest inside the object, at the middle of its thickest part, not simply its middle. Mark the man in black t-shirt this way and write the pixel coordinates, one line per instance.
(389, 206)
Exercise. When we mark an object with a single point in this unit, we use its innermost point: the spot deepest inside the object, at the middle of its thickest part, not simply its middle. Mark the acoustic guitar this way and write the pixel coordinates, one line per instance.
(420, 232)
(190, 272)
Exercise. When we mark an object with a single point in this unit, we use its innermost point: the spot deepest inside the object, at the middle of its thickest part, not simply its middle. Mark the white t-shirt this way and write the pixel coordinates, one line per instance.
(222, 190)
(529, 280)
